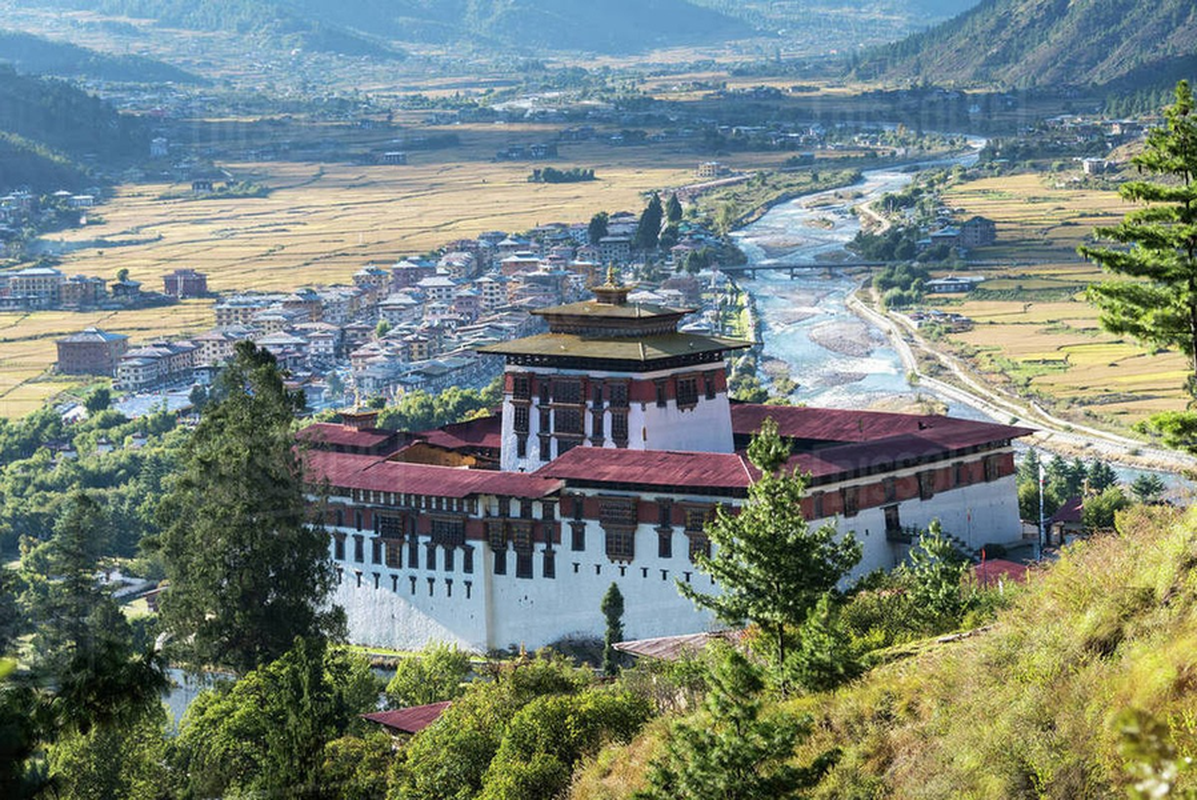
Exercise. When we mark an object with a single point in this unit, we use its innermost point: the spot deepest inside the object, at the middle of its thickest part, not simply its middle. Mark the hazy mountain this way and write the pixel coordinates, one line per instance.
(32, 54)
(1048, 43)
(848, 23)
(609, 26)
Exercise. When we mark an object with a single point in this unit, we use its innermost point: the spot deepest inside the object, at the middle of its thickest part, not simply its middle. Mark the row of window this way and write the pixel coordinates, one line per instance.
(850, 495)
(568, 391)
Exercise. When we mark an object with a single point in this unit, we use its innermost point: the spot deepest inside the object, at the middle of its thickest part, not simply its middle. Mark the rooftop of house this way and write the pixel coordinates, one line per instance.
(412, 719)
(640, 350)
(93, 335)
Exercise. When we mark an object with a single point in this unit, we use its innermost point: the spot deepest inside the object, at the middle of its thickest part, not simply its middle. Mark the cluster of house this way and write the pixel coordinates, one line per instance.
(976, 231)
(22, 208)
(43, 287)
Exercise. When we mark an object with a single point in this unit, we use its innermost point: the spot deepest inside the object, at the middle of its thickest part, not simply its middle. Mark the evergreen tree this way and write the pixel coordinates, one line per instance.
(612, 608)
(248, 572)
(597, 228)
(1101, 476)
(673, 209)
(1158, 304)
(1147, 488)
(649, 228)
(736, 754)
(770, 566)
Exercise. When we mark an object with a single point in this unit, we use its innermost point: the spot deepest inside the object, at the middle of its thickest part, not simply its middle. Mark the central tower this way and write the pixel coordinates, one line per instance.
(610, 373)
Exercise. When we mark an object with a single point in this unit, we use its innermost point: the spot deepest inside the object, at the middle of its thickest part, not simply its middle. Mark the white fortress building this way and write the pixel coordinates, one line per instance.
(615, 442)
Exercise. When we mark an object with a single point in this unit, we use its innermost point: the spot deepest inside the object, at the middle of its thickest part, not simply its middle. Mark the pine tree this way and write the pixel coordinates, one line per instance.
(612, 608)
(1158, 305)
(597, 228)
(248, 572)
(771, 566)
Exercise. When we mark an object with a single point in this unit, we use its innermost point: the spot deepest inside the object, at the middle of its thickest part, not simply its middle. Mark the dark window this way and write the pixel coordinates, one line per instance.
(618, 394)
(661, 393)
(665, 543)
(450, 532)
(893, 525)
(449, 558)
(958, 470)
(523, 564)
(412, 578)
(430, 556)
(569, 420)
(496, 535)
(394, 553)
(413, 551)
(500, 562)
(431, 583)
(521, 387)
(696, 519)
(891, 489)
(545, 420)
(550, 563)
(469, 586)
(926, 485)
(596, 394)
(991, 468)
(376, 551)
(520, 419)
(687, 392)
(664, 513)
(521, 446)
(544, 392)
(699, 544)
(359, 553)
(548, 509)
(817, 503)
(546, 448)
(596, 425)
(708, 382)
(467, 560)
(340, 518)
(390, 527)
(851, 500)
(448, 587)
(577, 536)
(357, 521)
(525, 509)
(619, 429)
(567, 392)
(339, 548)
(621, 543)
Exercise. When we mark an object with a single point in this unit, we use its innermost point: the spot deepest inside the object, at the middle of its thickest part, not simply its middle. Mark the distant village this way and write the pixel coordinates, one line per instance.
(413, 324)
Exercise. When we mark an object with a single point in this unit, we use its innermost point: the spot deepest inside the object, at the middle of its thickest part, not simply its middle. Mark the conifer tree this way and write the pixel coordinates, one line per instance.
(248, 572)
(771, 567)
(673, 209)
(612, 608)
(1158, 254)
(649, 228)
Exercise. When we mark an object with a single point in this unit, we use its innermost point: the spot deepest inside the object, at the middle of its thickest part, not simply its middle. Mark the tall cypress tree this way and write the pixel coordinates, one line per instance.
(649, 227)
(612, 608)
(248, 571)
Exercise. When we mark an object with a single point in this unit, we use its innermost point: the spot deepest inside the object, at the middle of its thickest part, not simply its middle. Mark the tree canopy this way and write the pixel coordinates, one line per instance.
(248, 571)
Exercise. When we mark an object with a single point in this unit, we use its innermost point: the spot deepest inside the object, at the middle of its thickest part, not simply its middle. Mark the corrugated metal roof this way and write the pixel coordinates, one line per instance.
(372, 473)
(331, 433)
(409, 720)
(619, 348)
(651, 468)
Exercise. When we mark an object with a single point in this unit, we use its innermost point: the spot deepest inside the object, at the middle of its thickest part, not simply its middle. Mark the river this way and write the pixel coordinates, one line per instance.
(838, 359)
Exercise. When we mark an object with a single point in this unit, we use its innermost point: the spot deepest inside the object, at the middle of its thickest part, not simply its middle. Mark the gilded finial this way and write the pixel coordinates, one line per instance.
(357, 398)
(611, 275)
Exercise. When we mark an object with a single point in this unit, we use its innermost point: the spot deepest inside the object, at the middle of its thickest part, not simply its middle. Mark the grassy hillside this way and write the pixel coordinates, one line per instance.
(1045, 703)
(33, 54)
(1048, 43)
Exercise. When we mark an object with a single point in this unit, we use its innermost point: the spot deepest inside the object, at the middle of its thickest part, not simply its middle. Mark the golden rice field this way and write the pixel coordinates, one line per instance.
(27, 345)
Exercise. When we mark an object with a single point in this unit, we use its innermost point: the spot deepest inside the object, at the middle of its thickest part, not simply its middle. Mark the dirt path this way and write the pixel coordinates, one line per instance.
(1053, 433)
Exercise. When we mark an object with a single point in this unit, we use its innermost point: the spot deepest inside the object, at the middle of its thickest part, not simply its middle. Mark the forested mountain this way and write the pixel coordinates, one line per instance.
(48, 128)
(33, 54)
(848, 16)
(350, 25)
(1048, 43)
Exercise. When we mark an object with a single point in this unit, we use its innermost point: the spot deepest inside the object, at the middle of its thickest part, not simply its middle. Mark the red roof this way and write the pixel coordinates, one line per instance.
(477, 433)
(651, 468)
(333, 433)
(409, 720)
(1071, 511)
(847, 426)
(371, 473)
(995, 569)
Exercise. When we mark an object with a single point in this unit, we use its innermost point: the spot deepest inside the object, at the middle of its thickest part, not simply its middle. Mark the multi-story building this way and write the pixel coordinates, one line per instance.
(81, 291)
(40, 287)
(92, 351)
(614, 444)
(185, 283)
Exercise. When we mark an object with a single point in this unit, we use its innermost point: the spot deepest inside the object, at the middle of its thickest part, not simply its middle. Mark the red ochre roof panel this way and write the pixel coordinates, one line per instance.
(332, 433)
(409, 720)
(478, 433)
(371, 473)
(651, 468)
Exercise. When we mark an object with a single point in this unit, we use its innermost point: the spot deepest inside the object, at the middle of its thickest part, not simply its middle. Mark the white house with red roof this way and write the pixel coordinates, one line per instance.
(614, 444)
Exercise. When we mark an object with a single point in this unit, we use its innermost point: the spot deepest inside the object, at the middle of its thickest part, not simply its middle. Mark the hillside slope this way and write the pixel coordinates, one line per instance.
(1046, 43)
(613, 26)
(33, 54)
(1035, 706)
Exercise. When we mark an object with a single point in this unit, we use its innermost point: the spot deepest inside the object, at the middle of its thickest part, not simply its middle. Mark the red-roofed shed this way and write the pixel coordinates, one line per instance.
(410, 720)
